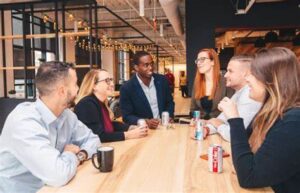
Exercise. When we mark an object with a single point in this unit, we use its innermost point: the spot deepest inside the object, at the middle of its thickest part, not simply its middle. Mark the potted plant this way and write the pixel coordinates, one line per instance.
(12, 94)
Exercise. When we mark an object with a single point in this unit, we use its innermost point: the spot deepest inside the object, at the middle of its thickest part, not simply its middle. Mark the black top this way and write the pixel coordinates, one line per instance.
(207, 105)
(88, 111)
(210, 107)
(277, 162)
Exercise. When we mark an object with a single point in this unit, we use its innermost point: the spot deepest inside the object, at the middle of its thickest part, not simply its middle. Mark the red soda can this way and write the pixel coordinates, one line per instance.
(215, 158)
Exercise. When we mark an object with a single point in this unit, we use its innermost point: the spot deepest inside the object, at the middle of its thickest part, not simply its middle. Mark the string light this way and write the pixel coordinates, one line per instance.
(79, 23)
(161, 30)
(108, 44)
(70, 16)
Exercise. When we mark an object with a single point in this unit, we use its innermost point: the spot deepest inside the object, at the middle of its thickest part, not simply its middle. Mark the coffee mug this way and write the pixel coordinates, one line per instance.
(105, 159)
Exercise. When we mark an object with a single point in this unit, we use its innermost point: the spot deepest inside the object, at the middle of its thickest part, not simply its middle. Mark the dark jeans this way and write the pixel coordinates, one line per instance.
(184, 91)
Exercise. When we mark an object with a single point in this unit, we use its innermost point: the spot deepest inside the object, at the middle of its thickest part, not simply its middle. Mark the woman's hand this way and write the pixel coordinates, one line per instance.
(228, 107)
(138, 132)
(131, 127)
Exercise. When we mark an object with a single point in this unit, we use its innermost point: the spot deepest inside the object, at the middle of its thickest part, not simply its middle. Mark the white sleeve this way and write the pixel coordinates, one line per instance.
(222, 117)
(248, 110)
(85, 138)
(212, 129)
(247, 107)
(224, 131)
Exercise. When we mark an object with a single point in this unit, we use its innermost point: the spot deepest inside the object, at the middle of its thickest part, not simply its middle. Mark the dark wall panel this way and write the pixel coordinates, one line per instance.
(203, 17)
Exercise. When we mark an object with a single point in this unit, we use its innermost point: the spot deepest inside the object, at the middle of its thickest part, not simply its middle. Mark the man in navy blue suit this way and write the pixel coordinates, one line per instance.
(146, 95)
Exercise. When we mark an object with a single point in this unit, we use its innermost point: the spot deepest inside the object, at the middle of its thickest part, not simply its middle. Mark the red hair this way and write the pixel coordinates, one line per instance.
(199, 82)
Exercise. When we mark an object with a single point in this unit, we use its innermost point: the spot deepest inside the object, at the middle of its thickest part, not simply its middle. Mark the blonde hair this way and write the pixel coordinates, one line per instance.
(279, 70)
(88, 84)
(87, 87)
(199, 82)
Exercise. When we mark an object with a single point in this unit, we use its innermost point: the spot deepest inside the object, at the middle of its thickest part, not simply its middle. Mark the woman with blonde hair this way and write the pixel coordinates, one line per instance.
(268, 152)
(91, 108)
(209, 85)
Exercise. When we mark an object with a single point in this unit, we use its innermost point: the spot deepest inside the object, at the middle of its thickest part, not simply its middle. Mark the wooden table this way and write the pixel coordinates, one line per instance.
(165, 161)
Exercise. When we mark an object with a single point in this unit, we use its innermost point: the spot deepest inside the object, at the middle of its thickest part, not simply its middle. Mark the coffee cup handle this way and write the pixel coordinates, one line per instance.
(93, 158)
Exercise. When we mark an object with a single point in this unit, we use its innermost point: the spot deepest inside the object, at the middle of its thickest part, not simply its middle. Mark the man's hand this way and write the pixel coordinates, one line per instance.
(205, 132)
(215, 122)
(171, 120)
(229, 108)
(72, 148)
(152, 123)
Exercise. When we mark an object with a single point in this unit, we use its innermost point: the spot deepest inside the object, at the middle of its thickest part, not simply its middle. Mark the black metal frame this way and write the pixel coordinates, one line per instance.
(92, 6)
(25, 51)
(96, 27)
(3, 53)
(32, 42)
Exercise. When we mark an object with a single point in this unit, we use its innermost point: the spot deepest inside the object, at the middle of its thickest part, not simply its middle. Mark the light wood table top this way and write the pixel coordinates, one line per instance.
(165, 161)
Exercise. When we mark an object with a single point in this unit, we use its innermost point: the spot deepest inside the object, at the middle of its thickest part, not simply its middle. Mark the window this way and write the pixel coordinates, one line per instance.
(36, 49)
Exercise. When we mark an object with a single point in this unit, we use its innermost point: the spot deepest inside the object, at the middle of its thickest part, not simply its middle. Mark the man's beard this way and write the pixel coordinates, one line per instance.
(70, 102)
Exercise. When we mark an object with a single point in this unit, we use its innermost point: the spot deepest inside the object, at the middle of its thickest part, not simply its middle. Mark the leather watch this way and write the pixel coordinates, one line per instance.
(81, 156)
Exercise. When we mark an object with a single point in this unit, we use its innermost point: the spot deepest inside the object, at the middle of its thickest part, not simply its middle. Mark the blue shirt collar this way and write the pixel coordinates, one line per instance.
(46, 114)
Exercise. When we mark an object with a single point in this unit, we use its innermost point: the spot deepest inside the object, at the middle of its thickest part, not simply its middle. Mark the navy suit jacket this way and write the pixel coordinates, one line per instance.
(134, 103)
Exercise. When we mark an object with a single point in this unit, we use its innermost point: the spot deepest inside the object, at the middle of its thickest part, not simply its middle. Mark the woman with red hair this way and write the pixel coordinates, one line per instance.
(209, 85)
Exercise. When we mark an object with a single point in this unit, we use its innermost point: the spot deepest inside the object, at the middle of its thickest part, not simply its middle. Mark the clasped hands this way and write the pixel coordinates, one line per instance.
(228, 107)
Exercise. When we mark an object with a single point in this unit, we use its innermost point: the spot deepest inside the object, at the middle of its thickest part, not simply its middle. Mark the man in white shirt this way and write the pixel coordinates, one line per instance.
(238, 67)
(43, 142)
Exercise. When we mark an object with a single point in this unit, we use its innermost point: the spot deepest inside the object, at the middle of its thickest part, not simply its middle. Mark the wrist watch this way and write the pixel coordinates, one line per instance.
(81, 156)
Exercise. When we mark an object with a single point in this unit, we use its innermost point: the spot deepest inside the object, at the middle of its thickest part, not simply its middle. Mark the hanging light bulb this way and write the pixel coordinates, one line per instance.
(154, 20)
(80, 23)
(104, 37)
(75, 26)
(142, 8)
(54, 25)
(161, 30)
(71, 17)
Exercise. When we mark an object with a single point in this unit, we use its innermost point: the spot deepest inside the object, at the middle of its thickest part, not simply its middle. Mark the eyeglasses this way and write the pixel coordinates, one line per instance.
(107, 80)
(201, 60)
